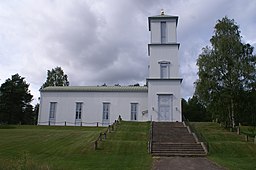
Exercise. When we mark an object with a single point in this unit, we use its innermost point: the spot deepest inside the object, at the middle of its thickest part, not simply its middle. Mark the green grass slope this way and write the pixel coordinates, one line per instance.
(227, 148)
(44, 147)
(127, 148)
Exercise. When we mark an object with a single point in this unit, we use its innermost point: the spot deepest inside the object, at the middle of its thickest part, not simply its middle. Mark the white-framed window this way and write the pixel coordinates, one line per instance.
(106, 107)
(164, 69)
(79, 106)
(134, 111)
(53, 106)
(163, 33)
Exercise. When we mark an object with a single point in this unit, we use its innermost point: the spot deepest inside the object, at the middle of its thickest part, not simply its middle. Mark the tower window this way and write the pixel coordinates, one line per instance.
(164, 69)
(163, 33)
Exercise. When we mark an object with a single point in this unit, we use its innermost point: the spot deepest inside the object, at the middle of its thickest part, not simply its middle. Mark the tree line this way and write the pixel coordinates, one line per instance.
(15, 97)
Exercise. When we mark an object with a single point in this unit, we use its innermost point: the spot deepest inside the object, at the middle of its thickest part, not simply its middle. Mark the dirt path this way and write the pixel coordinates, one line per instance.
(184, 163)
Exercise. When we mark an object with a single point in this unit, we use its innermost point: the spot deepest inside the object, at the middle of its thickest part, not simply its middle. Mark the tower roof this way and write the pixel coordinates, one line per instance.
(162, 17)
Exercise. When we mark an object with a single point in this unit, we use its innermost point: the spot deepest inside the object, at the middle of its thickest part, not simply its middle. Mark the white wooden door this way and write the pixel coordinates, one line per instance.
(164, 107)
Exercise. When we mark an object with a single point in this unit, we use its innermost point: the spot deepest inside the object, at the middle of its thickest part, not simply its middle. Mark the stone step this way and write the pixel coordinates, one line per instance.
(180, 151)
(172, 128)
(177, 149)
(177, 146)
(196, 149)
(173, 135)
(169, 124)
(190, 136)
(163, 154)
(169, 127)
(171, 131)
(170, 138)
(174, 139)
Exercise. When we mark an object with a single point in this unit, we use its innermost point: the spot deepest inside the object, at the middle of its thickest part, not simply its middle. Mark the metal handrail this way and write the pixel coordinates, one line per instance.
(150, 142)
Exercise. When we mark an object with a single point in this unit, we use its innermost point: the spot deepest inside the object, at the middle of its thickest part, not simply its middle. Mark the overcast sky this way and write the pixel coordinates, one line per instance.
(105, 41)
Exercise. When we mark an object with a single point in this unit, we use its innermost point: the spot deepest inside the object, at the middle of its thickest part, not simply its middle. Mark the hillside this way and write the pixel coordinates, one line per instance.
(44, 147)
(227, 148)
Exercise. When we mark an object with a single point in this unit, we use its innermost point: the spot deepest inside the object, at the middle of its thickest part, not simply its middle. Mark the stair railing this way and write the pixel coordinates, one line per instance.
(103, 135)
(199, 135)
(150, 142)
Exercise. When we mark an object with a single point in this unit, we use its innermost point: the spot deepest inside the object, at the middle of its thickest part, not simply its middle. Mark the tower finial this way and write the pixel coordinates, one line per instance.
(162, 11)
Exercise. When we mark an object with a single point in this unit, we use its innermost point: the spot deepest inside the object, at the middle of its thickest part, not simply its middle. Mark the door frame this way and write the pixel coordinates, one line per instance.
(170, 107)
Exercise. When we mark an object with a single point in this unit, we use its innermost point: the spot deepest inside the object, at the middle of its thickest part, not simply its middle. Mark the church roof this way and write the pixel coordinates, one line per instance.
(95, 89)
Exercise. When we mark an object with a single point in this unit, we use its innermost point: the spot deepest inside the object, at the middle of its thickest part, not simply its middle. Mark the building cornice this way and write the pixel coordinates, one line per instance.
(159, 44)
(95, 89)
(165, 79)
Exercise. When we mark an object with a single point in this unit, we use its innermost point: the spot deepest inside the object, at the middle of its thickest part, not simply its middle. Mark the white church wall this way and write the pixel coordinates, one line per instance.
(155, 38)
(160, 87)
(156, 31)
(172, 35)
(92, 107)
(163, 53)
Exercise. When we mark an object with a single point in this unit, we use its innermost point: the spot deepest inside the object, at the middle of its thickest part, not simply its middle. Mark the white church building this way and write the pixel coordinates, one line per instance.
(160, 100)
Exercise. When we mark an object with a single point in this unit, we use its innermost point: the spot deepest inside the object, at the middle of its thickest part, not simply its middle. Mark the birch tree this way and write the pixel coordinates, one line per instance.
(226, 68)
(56, 77)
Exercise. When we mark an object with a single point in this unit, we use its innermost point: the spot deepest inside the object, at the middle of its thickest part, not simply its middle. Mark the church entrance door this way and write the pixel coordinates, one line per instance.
(164, 107)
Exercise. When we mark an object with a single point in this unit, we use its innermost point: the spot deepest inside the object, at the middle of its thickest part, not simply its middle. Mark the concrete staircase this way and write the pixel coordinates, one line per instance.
(174, 139)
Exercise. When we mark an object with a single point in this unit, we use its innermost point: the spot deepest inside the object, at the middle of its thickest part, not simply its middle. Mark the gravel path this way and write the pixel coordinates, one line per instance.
(184, 163)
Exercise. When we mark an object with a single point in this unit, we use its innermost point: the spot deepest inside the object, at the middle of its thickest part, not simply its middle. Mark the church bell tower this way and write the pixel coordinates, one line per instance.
(164, 81)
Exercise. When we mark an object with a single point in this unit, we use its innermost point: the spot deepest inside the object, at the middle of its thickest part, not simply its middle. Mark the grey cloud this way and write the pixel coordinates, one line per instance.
(98, 42)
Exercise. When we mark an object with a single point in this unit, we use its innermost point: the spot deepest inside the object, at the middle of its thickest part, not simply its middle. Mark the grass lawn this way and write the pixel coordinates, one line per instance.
(249, 130)
(44, 147)
(227, 148)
